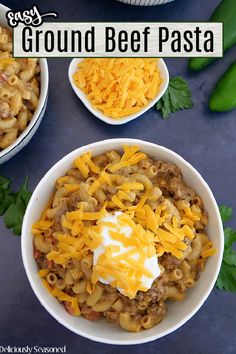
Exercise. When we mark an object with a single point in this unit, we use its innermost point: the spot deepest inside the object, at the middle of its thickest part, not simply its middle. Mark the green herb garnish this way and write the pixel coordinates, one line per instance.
(226, 213)
(227, 277)
(13, 205)
(177, 96)
(6, 197)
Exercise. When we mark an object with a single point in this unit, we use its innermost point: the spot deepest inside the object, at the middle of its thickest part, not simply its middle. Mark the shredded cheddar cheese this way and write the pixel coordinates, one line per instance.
(43, 272)
(119, 87)
(154, 230)
(4, 62)
(62, 296)
(83, 163)
(127, 187)
(130, 157)
(209, 252)
(72, 187)
(46, 285)
(41, 225)
(103, 177)
(123, 263)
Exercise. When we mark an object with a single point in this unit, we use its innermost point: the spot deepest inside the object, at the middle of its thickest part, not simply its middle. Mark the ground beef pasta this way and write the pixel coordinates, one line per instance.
(19, 90)
(154, 195)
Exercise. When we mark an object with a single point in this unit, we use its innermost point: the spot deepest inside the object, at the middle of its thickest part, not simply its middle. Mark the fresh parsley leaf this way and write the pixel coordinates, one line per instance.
(6, 197)
(4, 182)
(13, 217)
(164, 105)
(226, 213)
(177, 96)
(230, 237)
(227, 277)
(230, 257)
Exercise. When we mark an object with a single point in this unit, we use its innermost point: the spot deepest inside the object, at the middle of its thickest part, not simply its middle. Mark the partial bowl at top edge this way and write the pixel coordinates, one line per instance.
(145, 2)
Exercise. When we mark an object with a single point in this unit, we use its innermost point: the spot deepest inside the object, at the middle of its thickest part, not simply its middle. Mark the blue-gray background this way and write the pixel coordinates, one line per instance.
(205, 139)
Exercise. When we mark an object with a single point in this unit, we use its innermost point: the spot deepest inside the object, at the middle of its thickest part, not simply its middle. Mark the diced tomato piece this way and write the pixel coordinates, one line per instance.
(92, 315)
(49, 264)
(3, 77)
(68, 307)
(37, 254)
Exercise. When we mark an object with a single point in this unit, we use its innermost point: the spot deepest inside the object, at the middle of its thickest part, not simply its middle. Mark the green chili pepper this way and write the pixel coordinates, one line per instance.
(223, 97)
(226, 13)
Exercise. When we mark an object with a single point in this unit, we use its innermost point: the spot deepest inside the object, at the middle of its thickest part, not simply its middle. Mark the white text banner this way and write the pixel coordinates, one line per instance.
(123, 39)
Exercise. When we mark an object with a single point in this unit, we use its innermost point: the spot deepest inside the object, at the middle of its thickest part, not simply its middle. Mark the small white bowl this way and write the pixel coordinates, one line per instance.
(145, 2)
(30, 130)
(99, 114)
(178, 312)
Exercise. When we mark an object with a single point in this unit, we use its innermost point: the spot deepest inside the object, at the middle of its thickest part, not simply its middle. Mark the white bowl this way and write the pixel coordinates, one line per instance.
(165, 81)
(30, 130)
(145, 2)
(179, 312)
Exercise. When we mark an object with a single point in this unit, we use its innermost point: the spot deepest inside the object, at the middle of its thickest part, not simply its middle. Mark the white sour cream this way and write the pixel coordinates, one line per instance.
(151, 263)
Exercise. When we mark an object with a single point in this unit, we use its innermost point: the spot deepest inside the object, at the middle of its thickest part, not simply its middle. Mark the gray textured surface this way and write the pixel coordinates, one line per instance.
(206, 140)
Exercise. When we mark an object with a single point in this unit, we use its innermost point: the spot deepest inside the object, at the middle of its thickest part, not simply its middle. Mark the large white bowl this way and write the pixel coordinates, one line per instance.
(30, 130)
(99, 114)
(179, 312)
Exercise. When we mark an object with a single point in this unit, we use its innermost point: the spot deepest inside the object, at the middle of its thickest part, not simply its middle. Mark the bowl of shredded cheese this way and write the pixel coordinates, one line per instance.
(48, 202)
(118, 90)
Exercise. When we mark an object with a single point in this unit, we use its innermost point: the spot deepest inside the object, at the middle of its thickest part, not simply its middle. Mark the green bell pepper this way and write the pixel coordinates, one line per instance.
(226, 13)
(223, 97)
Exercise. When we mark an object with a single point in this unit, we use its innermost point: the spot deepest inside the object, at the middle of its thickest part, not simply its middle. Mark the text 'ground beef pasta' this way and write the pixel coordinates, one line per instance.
(165, 215)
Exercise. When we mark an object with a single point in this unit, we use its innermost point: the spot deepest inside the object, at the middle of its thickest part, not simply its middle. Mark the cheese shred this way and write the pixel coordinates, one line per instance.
(118, 87)
(154, 230)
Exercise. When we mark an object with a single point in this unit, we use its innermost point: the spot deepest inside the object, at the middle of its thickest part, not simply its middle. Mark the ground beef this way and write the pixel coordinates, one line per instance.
(170, 180)
(179, 190)
(73, 201)
(89, 313)
(61, 211)
(167, 170)
(169, 262)
(130, 305)
(43, 262)
(158, 309)
(155, 293)
(111, 315)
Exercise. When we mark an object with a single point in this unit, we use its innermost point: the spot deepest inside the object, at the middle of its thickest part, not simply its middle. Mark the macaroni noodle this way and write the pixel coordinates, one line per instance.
(156, 203)
(19, 91)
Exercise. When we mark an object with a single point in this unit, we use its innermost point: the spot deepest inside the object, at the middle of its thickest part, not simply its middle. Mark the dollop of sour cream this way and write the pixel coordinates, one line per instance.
(107, 225)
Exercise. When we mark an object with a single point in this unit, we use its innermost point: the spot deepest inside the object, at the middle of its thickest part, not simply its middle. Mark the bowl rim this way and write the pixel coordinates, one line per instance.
(15, 146)
(134, 2)
(93, 147)
(98, 114)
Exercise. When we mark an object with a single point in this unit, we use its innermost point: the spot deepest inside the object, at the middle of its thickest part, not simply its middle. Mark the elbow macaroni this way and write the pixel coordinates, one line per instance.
(67, 233)
(19, 91)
